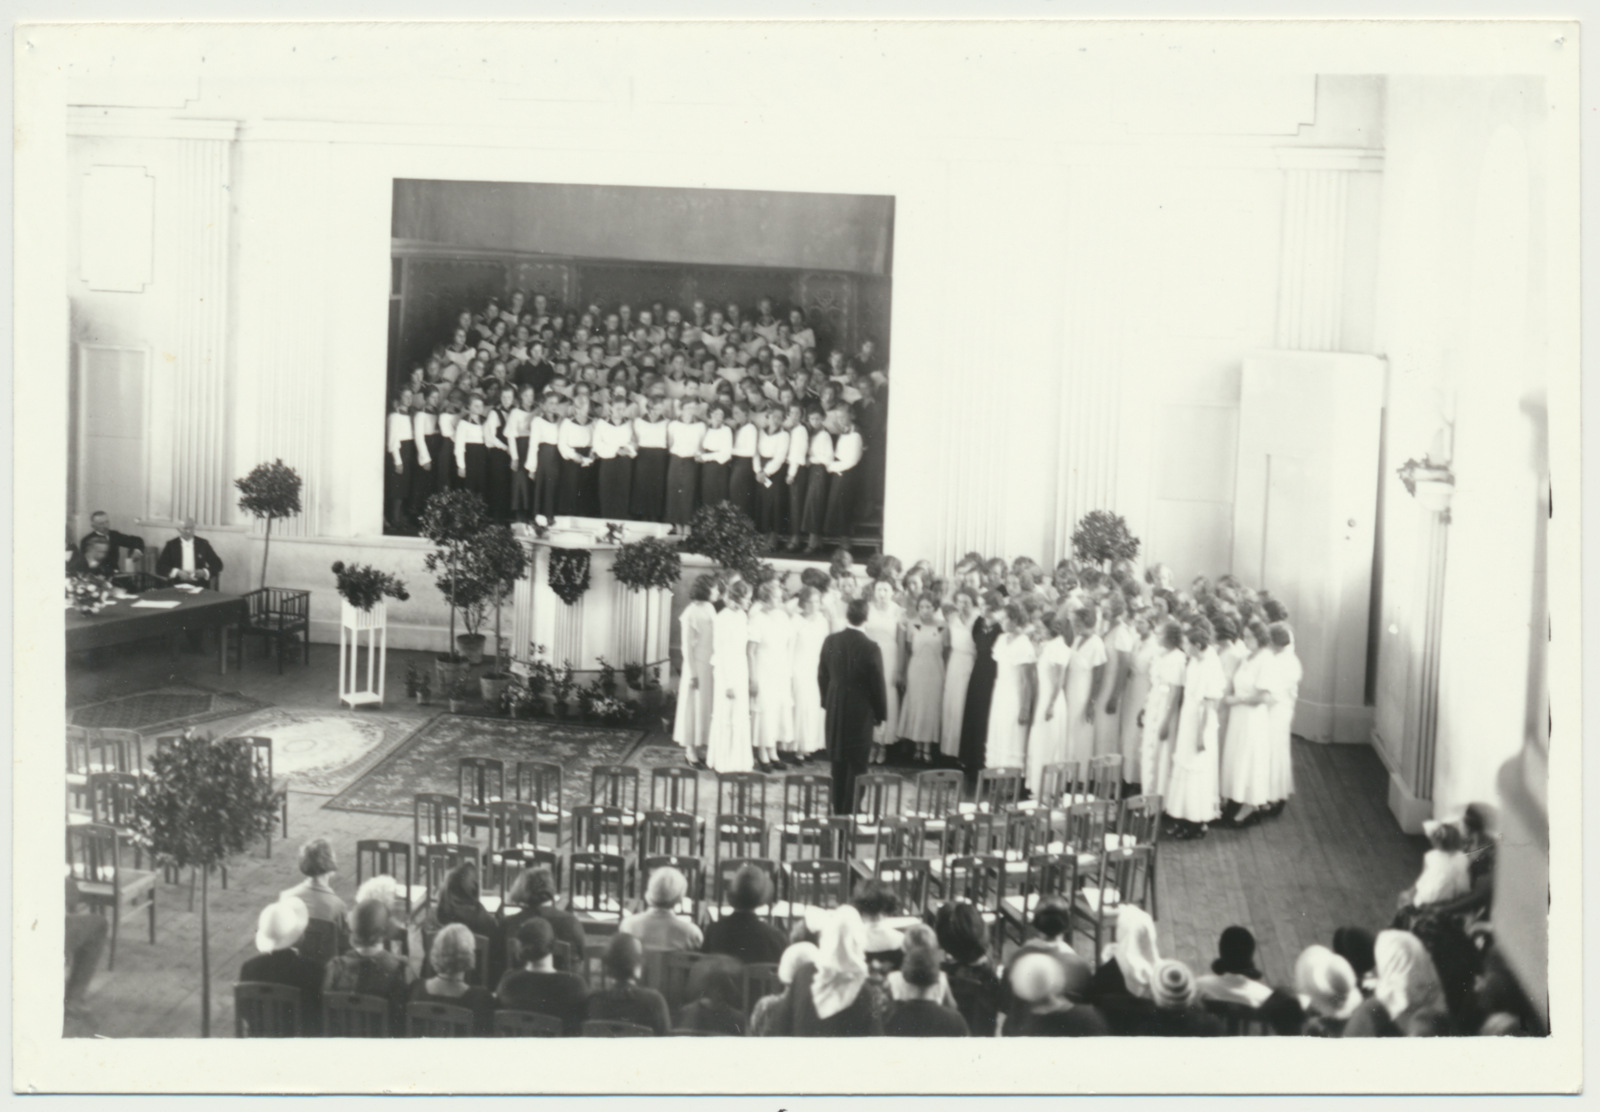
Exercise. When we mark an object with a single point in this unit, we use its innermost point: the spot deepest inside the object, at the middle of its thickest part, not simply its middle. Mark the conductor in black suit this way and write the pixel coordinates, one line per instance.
(854, 700)
(187, 558)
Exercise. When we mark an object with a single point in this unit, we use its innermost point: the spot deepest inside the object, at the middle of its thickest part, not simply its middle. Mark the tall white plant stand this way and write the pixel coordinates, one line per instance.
(372, 627)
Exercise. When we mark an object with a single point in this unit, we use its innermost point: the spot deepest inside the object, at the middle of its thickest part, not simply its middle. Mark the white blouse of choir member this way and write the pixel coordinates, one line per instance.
(717, 445)
(518, 422)
(400, 430)
(772, 717)
(799, 452)
(772, 449)
(424, 423)
(806, 655)
(573, 437)
(611, 440)
(467, 432)
(744, 441)
(685, 438)
(648, 433)
(493, 430)
(447, 425)
(821, 451)
(541, 430)
(847, 450)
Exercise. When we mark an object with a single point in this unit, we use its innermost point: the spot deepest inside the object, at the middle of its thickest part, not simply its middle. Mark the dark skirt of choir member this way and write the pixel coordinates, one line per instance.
(397, 484)
(742, 485)
(476, 478)
(616, 486)
(648, 501)
(713, 483)
(980, 693)
(683, 486)
(443, 454)
(797, 500)
(589, 491)
(521, 485)
(816, 510)
(774, 503)
(547, 481)
(498, 493)
(843, 493)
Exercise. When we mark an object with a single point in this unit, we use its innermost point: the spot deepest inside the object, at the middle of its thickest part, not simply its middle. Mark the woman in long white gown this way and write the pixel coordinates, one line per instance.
(1286, 663)
(1120, 641)
(692, 721)
(883, 624)
(1047, 743)
(810, 630)
(1086, 667)
(1231, 653)
(772, 716)
(959, 654)
(1246, 755)
(728, 744)
(1161, 710)
(1192, 794)
(1136, 695)
(1011, 708)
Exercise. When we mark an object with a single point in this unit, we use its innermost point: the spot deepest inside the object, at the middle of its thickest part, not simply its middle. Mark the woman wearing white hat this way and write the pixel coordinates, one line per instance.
(277, 930)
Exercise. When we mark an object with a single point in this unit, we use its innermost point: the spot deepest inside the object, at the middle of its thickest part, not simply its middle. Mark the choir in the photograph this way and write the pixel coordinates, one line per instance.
(643, 417)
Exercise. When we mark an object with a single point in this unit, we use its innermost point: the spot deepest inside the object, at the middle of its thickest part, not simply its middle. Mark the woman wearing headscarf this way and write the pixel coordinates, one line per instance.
(1123, 986)
(1328, 991)
(1408, 999)
(835, 998)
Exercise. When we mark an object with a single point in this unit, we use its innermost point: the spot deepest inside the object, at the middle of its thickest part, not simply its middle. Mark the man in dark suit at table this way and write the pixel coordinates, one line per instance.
(854, 700)
(118, 544)
(187, 558)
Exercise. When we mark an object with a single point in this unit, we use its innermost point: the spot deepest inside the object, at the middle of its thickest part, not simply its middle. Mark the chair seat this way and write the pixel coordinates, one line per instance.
(784, 909)
(1015, 908)
(77, 780)
(1094, 899)
(1121, 841)
(490, 903)
(78, 818)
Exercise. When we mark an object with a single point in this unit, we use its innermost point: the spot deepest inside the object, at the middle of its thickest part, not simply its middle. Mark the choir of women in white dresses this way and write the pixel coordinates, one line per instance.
(923, 709)
(1192, 798)
(728, 742)
(772, 676)
(1011, 708)
(960, 654)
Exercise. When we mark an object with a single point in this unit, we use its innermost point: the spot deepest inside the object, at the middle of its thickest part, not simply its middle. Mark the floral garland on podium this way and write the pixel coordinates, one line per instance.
(569, 573)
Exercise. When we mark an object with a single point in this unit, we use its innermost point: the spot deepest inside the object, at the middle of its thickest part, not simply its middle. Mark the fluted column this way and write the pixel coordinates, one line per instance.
(1424, 734)
(1311, 272)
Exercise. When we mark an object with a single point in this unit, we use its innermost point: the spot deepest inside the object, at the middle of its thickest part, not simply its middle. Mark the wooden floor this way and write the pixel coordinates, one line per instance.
(1334, 857)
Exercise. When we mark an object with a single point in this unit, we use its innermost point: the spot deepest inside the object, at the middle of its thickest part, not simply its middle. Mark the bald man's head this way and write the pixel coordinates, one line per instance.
(186, 528)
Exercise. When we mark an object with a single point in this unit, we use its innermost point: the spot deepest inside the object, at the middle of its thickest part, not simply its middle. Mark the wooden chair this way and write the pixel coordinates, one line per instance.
(867, 843)
(980, 881)
(266, 1011)
(505, 865)
(818, 883)
(126, 747)
(723, 880)
(739, 835)
(539, 783)
(674, 788)
(435, 817)
(512, 825)
(436, 861)
(1027, 832)
(617, 786)
(597, 889)
(998, 789)
(1140, 825)
(910, 879)
(480, 782)
(813, 837)
(94, 856)
(354, 1015)
(758, 979)
(1238, 1019)
(111, 803)
(1105, 776)
(614, 1029)
(806, 796)
(280, 615)
(513, 1024)
(974, 834)
(938, 793)
(602, 829)
(438, 1021)
(672, 973)
(742, 793)
(383, 857)
(1120, 880)
(878, 794)
(1048, 874)
(669, 832)
(1087, 826)
(262, 749)
(1057, 783)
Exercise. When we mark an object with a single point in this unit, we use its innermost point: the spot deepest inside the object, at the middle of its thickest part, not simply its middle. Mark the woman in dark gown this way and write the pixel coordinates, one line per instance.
(980, 688)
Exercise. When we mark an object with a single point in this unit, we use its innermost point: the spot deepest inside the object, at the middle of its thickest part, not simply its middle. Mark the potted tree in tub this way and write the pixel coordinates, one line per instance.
(453, 521)
(1102, 538)
(499, 561)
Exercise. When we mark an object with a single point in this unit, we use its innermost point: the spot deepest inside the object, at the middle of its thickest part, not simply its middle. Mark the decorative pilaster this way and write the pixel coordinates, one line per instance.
(1425, 728)
(1311, 271)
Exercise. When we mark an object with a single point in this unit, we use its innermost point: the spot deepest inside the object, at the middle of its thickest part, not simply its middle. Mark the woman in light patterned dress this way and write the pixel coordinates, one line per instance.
(1246, 756)
(1120, 641)
(883, 625)
(1011, 709)
(1134, 698)
(923, 707)
(960, 654)
(810, 630)
(1086, 668)
(693, 719)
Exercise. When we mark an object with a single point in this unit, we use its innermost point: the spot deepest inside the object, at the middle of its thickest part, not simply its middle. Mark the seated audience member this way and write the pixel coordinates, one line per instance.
(918, 1014)
(838, 998)
(660, 927)
(1354, 945)
(454, 955)
(1458, 962)
(1234, 979)
(884, 944)
(1478, 852)
(387, 891)
(535, 985)
(117, 545)
(919, 936)
(1052, 918)
(1327, 988)
(370, 969)
(94, 559)
(278, 929)
(1444, 875)
(1124, 985)
(742, 935)
(1407, 1000)
(773, 1015)
(459, 903)
(1502, 1003)
(187, 558)
(624, 998)
(715, 1003)
(1049, 987)
(534, 893)
(961, 932)
(1178, 1013)
(86, 935)
(318, 866)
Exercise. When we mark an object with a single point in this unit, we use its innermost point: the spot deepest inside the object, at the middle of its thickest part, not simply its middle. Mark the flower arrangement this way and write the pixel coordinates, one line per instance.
(638, 677)
(569, 573)
(461, 689)
(517, 700)
(89, 593)
(364, 586)
(648, 564)
(562, 684)
(1102, 538)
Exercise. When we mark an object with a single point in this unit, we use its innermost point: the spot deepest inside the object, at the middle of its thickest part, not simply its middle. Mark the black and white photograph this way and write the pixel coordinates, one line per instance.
(501, 601)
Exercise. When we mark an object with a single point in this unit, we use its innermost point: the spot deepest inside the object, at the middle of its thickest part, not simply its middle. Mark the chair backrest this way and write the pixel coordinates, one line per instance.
(320, 942)
(1141, 818)
(938, 793)
(111, 797)
(510, 1023)
(998, 788)
(1122, 876)
(512, 825)
(614, 1029)
(435, 817)
(726, 868)
(692, 868)
(878, 795)
(1088, 824)
(888, 836)
(507, 864)
(438, 1021)
(742, 793)
(601, 829)
(1027, 833)
(596, 881)
(539, 783)
(739, 835)
(261, 751)
(673, 970)
(1238, 1019)
(385, 857)
(1049, 874)
(668, 832)
(93, 851)
(266, 1011)
(1105, 776)
(806, 795)
(974, 833)
(480, 781)
(479, 973)
(673, 788)
(819, 882)
(909, 878)
(354, 1015)
(126, 748)
(615, 786)
(758, 979)
(438, 858)
(978, 879)
(1057, 780)
(813, 837)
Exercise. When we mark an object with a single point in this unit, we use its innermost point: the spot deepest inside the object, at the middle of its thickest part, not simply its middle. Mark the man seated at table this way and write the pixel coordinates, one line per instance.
(117, 544)
(93, 559)
(187, 558)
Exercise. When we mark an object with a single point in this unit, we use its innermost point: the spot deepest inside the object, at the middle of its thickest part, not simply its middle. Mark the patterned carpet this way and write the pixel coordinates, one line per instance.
(426, 761)
(171, 706)
(324, 752)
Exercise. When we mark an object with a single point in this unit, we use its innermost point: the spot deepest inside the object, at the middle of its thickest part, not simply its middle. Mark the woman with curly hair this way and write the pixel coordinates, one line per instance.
(1191, 799)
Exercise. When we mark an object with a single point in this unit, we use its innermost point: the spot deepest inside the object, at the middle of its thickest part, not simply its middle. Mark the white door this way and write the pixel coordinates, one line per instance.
(112, 471)
(1304, 518)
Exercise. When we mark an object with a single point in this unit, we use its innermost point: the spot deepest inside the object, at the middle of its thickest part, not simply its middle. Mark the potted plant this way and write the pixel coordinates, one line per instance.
(499, 560)
(200, 803)
(726, 535)
(1102, 538)
(516, 701)
(541, 675)
(562, 685)
(270, 491)
(418, 684)
(452, 520)
(633, 676)
(364, 587)
(460, 690)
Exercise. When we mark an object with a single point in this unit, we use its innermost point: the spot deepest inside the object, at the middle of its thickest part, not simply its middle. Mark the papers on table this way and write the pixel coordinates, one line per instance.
(191, 588)
(157, 604)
